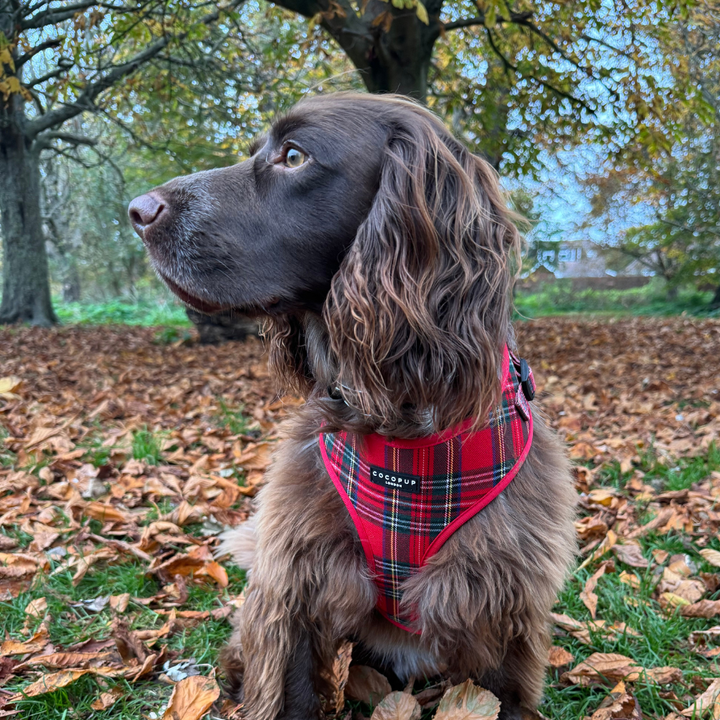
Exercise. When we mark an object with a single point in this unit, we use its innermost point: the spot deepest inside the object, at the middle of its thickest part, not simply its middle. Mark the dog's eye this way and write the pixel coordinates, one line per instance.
(294, 158)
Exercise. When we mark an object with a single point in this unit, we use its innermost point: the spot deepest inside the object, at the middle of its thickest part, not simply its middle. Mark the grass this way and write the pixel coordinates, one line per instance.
(7, 458)
(124, 312)
(559, 298)
(662, 638)
(146, 446)
(679, 476)
(70, 623)
(233, 419)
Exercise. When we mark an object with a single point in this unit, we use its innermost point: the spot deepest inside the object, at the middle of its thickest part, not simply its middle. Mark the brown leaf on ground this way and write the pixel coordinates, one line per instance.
(468, 702)
(192, 698)
(559, 657)
(631, 554)
(611, 667)
(702, 609)
(104, 512)
(608, 542)
(588, 596)
(49, 683)
(706, 703)
(36, 643)
(711, 556)
(619, 705)
(75, 660)
(397, 706)
(366, 685)
(106, 699)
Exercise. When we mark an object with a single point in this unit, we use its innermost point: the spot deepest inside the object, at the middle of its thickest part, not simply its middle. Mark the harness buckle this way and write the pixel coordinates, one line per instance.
(526, 380)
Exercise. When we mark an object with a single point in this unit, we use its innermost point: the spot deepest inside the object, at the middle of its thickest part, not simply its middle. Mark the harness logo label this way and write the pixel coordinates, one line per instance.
(395, 480)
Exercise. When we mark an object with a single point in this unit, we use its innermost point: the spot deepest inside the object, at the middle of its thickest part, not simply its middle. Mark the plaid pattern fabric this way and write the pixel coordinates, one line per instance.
(407, 497)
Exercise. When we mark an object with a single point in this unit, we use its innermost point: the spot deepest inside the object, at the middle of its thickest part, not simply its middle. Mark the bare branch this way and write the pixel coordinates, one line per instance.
(52, 16)
(37, 49)
(48, 76)
(509, 66)
(86, 99)
(480, 20)
(44, 140)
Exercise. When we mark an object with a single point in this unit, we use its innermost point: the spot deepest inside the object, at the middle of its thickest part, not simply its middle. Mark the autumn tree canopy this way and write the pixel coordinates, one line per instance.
(58, 61)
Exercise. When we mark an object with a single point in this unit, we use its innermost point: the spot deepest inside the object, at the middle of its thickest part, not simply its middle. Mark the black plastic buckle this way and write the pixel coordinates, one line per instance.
(527, 385)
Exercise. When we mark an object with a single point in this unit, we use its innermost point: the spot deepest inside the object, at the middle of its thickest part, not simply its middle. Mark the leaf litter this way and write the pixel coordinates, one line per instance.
(117, 452)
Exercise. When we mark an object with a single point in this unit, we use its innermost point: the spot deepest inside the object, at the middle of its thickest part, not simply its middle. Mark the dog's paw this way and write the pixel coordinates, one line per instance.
(240, 543)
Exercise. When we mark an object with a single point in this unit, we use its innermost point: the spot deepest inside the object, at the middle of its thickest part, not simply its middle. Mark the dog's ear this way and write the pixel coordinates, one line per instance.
(420, 310)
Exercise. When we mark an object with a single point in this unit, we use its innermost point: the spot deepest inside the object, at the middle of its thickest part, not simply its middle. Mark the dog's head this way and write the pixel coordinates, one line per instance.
(379, 248)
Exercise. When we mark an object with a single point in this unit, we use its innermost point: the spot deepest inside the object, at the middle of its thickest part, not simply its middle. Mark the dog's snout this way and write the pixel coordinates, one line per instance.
(144, 211)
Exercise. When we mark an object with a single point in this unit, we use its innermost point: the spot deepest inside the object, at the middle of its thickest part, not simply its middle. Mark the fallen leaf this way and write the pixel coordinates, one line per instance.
(468, 702)
(587, 595)
(366, 685)
(49, 683)
(106, 699)
(192, 698)
(702, 609)
(397, 706)
(74, 660)
(604, 667)
(619, 705)
(711, 556)
(36, 608)
(707, 702)
(9, 386)
(608, 542)
(38, 641)
(119, 603)
(559, 657)
(338, 678)
(104, 512)
(630, 554)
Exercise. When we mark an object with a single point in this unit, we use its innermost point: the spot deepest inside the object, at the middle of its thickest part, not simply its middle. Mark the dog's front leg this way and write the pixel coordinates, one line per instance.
(269, 663)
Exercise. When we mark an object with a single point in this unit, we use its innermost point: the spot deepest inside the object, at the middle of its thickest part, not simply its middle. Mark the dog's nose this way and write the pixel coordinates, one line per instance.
(144, 211)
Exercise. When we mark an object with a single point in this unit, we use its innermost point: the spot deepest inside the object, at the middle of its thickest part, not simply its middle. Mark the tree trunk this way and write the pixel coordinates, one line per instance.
(399, 59)
(26, 282)
(391, 48)
(221, 327)
(71, 288)
(715, 302)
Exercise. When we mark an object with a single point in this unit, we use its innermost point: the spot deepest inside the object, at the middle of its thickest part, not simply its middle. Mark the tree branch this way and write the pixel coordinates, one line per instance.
(52, 16)
(509, 66)
(37, 49)
(86, 99)
(480, 20)
(44, 78)
(44, 140)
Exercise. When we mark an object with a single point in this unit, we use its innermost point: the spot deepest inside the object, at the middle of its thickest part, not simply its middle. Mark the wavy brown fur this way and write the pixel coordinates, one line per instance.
(388, 307)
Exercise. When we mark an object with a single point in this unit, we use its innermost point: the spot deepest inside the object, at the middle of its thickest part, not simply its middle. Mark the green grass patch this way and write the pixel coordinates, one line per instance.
(71, 622)
(653, 638)
(7, 457)
(558, 298)
(123, 312)
(146, 446)
(233, 419)
(681, 475)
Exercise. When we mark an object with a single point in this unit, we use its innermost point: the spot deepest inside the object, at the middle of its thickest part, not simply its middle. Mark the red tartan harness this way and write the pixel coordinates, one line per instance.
(407, 497)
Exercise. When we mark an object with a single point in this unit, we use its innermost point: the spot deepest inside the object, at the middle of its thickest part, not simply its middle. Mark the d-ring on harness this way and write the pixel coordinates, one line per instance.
(407, 497)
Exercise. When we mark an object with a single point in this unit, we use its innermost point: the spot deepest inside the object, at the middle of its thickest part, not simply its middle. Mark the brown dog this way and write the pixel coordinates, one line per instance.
(381, 253)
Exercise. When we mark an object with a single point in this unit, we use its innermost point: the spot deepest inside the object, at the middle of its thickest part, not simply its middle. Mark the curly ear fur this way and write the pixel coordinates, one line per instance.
(419, 311)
